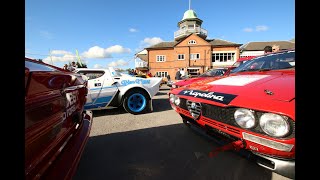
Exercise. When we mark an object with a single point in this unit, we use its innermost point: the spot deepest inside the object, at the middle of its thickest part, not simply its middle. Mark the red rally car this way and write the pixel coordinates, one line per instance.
(253, 107)
(56, 125)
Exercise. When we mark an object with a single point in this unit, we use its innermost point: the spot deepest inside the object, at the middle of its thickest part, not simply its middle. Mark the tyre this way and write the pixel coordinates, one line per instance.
(136, 102)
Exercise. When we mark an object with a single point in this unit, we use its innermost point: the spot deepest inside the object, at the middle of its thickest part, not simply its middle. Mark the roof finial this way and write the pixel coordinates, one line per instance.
(189, 4)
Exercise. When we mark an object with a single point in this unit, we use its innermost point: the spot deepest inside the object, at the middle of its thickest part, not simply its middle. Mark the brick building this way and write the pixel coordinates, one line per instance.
(190, 50)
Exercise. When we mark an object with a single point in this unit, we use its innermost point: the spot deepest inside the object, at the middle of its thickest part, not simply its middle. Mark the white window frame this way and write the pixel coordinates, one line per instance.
(192, 41)
(194, 54)
(221, 56)
(181, 58)
(160, 58)
(162, 73)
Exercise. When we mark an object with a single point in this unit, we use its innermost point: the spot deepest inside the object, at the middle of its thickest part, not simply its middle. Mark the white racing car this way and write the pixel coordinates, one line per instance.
(109, 88)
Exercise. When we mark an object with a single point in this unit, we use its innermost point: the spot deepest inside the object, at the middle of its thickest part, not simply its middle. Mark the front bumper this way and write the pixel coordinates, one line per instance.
(65, 165)
(280, 166)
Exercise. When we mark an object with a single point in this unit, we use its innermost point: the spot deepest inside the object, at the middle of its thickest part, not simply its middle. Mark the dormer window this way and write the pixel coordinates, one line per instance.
(192, 42)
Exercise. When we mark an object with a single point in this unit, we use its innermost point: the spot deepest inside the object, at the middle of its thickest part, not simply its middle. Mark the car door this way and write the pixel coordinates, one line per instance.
(101, 88)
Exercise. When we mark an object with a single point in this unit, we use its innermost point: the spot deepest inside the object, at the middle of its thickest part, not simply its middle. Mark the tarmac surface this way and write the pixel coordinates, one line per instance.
(158, 145)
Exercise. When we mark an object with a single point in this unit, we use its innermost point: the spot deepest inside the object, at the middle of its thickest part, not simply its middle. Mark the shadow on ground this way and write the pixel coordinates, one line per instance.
(104, 112)
(164, 153)
(162, 104)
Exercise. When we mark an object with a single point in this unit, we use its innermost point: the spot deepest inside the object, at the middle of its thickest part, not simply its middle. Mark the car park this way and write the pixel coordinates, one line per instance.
(56, 125)
(253, 107)
(111, 89)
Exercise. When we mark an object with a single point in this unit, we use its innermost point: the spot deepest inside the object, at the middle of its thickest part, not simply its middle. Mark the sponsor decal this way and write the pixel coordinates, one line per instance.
(72, 99)
(239, 80)
(212, 96)
(137, 81)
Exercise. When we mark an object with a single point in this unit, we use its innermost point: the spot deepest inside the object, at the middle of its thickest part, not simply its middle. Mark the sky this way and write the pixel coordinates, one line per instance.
(109, 33)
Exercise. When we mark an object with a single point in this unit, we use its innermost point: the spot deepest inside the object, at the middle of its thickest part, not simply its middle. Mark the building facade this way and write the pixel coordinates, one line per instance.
(190, 50)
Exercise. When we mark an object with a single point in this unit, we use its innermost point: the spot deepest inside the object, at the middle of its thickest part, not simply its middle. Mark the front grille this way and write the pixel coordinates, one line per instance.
(194, 108)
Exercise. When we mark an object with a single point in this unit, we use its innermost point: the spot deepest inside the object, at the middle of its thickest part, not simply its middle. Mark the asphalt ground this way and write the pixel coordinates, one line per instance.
(158, 145)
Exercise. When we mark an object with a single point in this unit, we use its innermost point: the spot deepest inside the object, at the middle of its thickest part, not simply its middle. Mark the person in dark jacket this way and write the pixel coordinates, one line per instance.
(178, 75)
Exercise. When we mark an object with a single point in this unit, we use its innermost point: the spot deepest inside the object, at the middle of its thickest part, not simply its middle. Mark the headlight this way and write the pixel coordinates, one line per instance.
(174, 86)
(177, 100)
(172, 98)
(244, 118)
(274, 125)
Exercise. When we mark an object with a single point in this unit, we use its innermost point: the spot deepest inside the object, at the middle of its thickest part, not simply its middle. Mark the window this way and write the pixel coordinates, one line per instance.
(91, 74)
(193, 72)
(161, 58)
(194, 56)
(223, 57)
(192, 42)
(162, 74)
(180, 56)
(190, 26)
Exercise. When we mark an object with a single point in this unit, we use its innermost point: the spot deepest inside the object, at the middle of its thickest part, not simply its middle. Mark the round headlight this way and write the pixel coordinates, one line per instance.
(274, 125)
(172, 98)
(244, 118)
(177, 101)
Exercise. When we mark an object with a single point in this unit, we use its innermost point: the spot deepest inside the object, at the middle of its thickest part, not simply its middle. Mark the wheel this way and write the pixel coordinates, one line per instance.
(136, 102)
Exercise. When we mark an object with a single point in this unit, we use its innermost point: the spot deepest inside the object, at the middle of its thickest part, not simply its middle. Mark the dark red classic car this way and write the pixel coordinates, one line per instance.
(56, 126)
(253, 109)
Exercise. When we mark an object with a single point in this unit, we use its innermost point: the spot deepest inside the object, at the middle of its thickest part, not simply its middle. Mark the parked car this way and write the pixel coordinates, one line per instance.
(210, 73)
(254, 106)
(109, 89)
(56, 125)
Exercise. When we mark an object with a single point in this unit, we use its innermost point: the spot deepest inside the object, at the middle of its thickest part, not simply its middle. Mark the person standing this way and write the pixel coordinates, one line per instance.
(65, 67)
(275, 48)
(267, 49)
(178, 75)
(182, 72)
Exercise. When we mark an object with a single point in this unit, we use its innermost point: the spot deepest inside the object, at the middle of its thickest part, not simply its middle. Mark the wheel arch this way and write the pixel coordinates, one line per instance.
(133, 88)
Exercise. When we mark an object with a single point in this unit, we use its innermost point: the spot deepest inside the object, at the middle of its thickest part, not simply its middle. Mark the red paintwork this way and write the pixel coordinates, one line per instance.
(185, 82)
(54, 102)
(251, 96)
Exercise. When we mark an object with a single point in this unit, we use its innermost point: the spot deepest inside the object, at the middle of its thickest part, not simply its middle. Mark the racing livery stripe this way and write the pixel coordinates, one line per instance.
(211, 96)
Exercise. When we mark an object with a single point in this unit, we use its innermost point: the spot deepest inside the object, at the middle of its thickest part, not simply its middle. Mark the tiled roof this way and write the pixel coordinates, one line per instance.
(213, 42)
(164, 45)
(219, 42)
(143, 57)
(259, 46)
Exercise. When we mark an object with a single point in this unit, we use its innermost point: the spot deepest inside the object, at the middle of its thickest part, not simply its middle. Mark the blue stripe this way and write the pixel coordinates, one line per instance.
(106, 87)
(100, 102)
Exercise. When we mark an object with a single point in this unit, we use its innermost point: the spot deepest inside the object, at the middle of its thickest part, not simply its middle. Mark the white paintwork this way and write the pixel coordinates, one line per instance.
(108, 84)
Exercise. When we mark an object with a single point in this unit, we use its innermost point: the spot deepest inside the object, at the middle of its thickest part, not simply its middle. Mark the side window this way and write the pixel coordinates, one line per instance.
(92, 74)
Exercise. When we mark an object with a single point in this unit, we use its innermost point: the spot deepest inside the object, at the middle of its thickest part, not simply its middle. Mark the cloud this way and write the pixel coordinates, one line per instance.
(60, 52)
(97, 66)
(133, 30)
(247, 29)
(261, 28)
(64, 58)
(46, 34)
(117, 49)
(147, 42)
(120, 62)
(99, 53)
(257, 29)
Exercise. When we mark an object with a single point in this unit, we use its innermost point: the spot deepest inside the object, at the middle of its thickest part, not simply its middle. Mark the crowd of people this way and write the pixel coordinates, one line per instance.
(71, 67)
